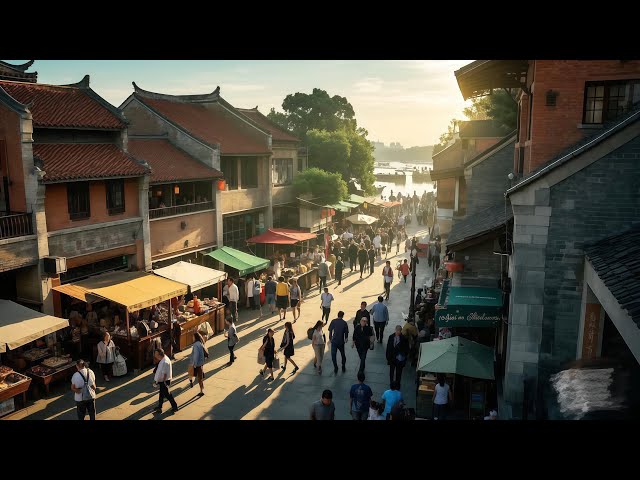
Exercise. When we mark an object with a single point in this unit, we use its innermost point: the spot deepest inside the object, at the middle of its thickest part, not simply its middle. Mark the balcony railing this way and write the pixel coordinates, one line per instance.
(16, 225)
(179, 209)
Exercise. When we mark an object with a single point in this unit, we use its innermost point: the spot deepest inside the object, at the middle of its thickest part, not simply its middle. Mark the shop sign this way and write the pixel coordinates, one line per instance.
(591, 330)
(460, 318)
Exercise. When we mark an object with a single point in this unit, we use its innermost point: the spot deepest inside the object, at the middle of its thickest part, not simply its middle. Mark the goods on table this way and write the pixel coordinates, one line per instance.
(42, 371)
(56, 362)
(15, 378)
(4, 370)
(35, 354)
(3, 386)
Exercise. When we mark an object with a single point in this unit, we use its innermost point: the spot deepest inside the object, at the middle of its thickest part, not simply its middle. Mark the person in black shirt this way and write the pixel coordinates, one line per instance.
(363, 312)
(338, 335)
(362, 341)
(362, 259)
(372, 259)
(269, 351)
(339, 268)
(353, 254)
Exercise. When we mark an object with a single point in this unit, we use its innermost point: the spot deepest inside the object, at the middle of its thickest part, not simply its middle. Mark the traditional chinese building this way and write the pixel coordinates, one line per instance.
(576, 207)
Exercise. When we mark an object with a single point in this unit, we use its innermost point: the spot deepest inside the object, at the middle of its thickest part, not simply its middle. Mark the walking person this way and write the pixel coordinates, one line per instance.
(390, 235)
(390, 398)
(287, 346)
(353, 254)
(83, 384)
(375, 411)
(360, 396)
(234, 298)
(363, 257)
(436, 257)
(377, 244)
(387, 274)
(295, 293)
(362, 312)
(257, 290)
(338, 336)
(232, 339)
(380, 314)
(384, 241)
(404, 269)
(249, 292)
(268, 349)
(323, 272)
(323, 409)
(282, 297)
(397, 351)
(106, 356)
(325, 304)
(270, 294)
(318, 342)
(399, 238)
(362, 340)
(339, 269)
(372, 259)
(441, 398)
(198, 354)
(162, 378)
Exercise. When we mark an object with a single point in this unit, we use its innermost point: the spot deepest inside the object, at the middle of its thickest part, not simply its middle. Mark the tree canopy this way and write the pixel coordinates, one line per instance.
(329, 129)
(325, 187)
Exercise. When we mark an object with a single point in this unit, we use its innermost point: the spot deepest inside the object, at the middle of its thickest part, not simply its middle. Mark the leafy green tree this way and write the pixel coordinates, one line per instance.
(328, 127)
(499, 106)
(325, 187)
(446, 137)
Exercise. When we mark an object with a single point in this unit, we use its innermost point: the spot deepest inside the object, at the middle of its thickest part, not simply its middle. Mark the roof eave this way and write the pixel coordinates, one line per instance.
(46, 181)
(481, 76)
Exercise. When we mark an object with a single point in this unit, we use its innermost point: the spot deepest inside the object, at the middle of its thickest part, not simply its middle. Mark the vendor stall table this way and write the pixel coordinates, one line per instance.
(13, 385)
(50, 375)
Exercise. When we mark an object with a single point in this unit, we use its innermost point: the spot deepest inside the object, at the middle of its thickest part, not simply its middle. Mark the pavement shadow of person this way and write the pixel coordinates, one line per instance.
(244, 399)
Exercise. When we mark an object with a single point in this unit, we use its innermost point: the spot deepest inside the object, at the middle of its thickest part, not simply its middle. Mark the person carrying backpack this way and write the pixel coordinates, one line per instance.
(83, 384)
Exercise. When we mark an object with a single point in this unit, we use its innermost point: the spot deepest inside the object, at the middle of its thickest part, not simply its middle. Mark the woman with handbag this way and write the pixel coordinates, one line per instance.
(232, 339)
(198, 354)
(318, 341)
(287, 346)
(268, 349)
(106, 356)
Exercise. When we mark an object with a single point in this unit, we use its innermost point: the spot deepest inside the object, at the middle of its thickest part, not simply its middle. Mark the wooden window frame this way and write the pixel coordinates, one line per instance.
(75, 189)
(607, 84)
(111, 207)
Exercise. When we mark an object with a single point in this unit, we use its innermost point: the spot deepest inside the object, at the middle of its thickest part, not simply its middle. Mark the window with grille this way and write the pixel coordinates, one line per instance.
(249, 172)
(78, 200)
(115, 196)
(282, 171)
(605, 101)
(229, 166)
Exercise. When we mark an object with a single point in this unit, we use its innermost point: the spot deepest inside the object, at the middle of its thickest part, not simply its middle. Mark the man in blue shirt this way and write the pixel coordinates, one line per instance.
(338, 334)
(390, 398)
(360, 396)
(380, 318)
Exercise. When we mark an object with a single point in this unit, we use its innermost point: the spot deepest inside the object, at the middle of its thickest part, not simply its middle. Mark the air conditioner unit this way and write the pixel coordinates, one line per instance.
(55, 265)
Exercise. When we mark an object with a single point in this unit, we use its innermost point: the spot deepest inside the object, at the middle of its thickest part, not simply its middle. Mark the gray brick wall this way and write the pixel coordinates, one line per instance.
(599, 201)
(482, 269)
(18, 252)
(489, 180)
(94, 240)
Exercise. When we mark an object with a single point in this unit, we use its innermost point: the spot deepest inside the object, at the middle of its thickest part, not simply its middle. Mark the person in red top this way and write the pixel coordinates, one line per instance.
(405, 269)
(196, 305)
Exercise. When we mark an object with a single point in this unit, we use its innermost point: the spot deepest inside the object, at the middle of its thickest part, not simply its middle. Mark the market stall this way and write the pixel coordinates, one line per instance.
(361, 219)
(210, 310)
(132, 306)
(19, 327)
(291, 245)
(470, 368)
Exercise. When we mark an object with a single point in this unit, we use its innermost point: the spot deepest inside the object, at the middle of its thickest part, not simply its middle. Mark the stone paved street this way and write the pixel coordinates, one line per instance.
(239, 392)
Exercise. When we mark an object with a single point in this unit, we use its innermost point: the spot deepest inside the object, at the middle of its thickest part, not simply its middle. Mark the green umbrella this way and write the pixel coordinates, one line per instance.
(457, 355)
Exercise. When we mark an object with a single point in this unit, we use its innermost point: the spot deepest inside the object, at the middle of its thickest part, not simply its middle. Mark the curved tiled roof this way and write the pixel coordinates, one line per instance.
(62, 106)
(84, 161)
(278, 134)
(168, 163)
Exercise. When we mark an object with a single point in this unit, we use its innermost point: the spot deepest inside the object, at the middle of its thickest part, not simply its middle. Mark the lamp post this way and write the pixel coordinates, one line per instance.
(414, 262)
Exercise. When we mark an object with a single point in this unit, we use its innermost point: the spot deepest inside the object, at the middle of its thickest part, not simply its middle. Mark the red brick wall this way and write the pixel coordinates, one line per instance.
(57, 211)
(556, 128)
(446, 193)
(12, 156)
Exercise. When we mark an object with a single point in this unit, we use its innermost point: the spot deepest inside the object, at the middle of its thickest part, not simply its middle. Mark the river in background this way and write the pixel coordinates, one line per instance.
(407, 187)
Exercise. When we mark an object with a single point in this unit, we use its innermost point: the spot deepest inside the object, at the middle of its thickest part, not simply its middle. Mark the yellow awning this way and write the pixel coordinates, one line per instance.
(134, 290)
(20, 325)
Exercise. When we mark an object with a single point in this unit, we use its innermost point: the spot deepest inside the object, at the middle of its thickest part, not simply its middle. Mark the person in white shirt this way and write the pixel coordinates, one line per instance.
(83, 379)
(377, 244)
(401, 220)
(249, 292)
(162, 378)
(234, 297)
(387, 273)
(441, 398)
(325, 304)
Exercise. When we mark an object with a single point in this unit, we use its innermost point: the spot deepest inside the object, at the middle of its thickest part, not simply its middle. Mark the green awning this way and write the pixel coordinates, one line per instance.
(339, 207)
(456, 355)
(349, 204)
(243, 262)
(357, 199)
(468, 306)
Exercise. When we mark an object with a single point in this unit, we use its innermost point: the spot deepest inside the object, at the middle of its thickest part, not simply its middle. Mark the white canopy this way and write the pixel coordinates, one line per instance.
(196, 276)
(20, 325)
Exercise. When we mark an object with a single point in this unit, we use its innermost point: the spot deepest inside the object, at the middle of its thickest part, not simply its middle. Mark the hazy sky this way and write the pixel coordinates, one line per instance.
(406, 101)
